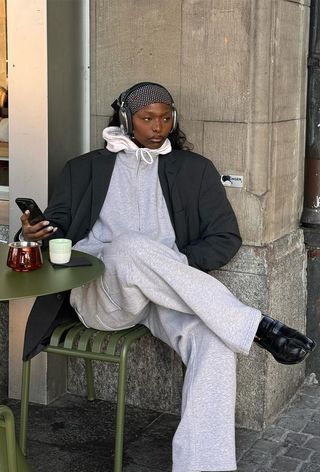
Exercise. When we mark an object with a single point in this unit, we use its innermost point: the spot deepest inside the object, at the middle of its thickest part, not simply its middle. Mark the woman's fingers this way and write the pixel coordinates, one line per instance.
(41, 230)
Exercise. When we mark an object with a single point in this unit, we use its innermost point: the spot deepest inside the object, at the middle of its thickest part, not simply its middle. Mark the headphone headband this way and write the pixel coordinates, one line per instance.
(125, 114)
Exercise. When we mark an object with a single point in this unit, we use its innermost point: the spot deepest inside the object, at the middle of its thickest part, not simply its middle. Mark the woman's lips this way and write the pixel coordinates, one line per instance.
(156, 140)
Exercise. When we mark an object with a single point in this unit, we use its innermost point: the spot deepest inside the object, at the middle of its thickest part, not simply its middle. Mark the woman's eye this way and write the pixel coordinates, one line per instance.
(146, 118)
(166, 118)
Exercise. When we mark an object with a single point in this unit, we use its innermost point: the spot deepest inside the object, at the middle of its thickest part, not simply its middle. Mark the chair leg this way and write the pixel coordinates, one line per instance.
(24, 406)
(121, 396)
(8, 458)
(90, 382)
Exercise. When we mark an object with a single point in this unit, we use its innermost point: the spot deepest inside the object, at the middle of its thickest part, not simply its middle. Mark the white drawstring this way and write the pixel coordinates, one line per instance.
(141, 154)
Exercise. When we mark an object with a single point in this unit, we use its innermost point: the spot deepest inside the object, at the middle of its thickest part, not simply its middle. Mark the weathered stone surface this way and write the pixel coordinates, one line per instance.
(284, 202)
(245, 110)
(213, 88)
(290, 56)
(135, 41)
(98, 124)
(270, 159)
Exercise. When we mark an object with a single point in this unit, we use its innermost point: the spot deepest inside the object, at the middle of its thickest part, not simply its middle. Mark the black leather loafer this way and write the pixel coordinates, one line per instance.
(287, 345)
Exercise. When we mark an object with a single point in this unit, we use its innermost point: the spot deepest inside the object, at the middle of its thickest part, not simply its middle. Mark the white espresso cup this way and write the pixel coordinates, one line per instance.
(60, 250)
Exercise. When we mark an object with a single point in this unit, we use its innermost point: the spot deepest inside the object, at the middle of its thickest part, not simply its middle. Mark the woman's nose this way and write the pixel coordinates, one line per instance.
(156, 125)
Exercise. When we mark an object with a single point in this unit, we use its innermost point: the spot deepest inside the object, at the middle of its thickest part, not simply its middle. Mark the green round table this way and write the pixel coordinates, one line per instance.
(43, 281)
(47, 279)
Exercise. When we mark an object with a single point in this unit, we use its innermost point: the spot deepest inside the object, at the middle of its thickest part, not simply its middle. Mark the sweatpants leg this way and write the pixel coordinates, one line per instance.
(205, 437)
(139, 270)
(147, 282)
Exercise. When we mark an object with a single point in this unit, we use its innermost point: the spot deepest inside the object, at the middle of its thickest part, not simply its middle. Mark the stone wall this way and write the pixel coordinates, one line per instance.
(237, 71)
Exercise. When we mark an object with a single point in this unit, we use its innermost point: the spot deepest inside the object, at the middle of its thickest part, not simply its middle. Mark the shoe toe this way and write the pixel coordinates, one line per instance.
(284, 350)
(305, 342)
(290, 354)
(287, 345)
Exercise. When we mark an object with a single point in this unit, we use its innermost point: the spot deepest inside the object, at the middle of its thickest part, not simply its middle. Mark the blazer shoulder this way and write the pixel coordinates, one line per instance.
(190, 155)
(193, 159)
(89, 157)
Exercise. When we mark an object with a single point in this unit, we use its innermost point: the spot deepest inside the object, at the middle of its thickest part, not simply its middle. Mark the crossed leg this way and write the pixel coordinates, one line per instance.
(147, 282)
(139, 271)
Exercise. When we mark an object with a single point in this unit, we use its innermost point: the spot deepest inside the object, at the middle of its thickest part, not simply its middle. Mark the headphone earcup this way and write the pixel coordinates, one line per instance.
(125, 120)
(174, 119)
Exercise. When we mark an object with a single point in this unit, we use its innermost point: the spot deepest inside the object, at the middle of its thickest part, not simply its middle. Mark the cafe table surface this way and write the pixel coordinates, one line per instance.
(47, 279)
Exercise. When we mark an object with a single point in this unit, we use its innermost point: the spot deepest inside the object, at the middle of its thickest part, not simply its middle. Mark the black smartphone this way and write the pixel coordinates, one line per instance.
(36, 214)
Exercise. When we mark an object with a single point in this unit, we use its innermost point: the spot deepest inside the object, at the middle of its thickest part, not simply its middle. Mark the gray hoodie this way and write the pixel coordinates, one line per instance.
(134, 201)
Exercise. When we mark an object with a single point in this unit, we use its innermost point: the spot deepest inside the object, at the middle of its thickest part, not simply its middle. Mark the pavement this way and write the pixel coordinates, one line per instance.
(74, 435)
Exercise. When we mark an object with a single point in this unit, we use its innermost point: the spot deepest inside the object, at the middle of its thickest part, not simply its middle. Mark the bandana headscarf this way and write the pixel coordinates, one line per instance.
(146, 95)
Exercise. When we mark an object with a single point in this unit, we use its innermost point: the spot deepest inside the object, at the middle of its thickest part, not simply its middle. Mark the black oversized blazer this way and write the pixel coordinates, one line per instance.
(204, 222)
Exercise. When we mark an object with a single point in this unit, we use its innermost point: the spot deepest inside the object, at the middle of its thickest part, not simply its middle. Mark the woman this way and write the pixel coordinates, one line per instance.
(157, 215)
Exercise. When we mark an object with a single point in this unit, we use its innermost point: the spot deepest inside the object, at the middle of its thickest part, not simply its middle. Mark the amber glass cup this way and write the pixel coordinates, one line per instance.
(24, 256)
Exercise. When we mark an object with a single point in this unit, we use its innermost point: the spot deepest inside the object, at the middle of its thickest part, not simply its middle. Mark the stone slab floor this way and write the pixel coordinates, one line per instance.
(74, 435)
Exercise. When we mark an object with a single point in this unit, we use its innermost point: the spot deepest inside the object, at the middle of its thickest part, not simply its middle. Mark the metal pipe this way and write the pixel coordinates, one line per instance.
(311, 211)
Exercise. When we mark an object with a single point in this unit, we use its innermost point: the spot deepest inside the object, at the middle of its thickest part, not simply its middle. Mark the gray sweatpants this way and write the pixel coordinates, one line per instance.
(149, 283)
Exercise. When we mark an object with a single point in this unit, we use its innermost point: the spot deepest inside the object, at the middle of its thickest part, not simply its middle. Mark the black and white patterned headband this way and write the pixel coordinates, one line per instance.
(146, 95)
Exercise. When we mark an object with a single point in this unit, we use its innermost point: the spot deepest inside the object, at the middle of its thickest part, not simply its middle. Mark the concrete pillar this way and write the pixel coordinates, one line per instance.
(237, 71)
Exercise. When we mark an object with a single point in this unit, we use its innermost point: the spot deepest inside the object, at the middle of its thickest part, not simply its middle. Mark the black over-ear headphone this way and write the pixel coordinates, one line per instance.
(125, 115)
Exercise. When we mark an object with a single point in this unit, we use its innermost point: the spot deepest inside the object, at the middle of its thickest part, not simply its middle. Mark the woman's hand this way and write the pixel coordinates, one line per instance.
(36, 232)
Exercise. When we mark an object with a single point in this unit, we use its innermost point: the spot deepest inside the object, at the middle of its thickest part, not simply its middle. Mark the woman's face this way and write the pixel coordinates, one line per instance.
(152, 125)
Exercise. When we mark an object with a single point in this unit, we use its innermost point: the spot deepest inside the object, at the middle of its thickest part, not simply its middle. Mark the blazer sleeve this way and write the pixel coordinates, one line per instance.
(58, 211)
(219, 232)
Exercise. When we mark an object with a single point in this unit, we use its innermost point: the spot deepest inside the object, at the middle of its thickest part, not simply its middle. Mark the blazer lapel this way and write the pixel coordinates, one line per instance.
(169, 165)
(102, 168)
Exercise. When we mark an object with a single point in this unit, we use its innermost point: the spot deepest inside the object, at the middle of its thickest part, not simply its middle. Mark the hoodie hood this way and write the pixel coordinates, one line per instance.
(118, 141)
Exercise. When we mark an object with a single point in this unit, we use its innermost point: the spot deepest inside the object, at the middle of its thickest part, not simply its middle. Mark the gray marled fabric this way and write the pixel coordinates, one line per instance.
(147, 282)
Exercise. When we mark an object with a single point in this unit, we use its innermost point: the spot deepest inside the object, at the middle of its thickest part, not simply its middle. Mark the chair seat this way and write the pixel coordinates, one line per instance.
(74, 339)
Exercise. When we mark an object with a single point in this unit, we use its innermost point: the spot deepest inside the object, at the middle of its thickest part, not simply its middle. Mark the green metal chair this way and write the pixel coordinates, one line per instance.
(11, 457)
(74, 339)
